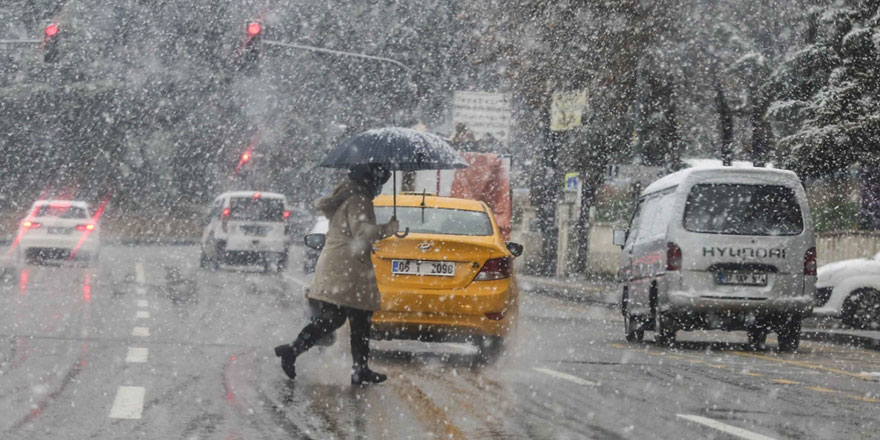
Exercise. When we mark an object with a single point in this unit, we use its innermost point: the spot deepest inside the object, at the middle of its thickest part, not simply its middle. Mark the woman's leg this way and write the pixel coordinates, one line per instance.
(330, 318)
(360, 348)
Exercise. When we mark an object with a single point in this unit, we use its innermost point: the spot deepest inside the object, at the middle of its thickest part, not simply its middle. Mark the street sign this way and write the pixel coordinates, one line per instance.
(566, 110)
(483, 113)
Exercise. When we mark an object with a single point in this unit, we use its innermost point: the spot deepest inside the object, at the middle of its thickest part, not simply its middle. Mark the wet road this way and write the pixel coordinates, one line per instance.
(147, 345)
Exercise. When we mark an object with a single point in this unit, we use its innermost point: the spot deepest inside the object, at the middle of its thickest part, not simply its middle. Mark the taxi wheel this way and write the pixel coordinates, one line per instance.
(633, 328)
(489, 348)
(664, 333)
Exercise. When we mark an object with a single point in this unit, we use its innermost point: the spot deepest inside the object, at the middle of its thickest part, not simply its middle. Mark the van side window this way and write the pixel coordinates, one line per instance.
(634, 223)
(655, 216)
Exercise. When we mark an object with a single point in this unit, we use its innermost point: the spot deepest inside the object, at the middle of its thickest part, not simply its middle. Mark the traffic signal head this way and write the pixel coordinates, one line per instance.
(50, 42)
(254, 28)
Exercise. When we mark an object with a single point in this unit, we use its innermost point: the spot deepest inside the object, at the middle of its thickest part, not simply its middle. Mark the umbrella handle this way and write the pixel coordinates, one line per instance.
(401, 235)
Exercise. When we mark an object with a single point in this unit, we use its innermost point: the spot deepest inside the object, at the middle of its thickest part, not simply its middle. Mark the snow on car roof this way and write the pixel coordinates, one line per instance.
(74, 203)
(264, 194)
(679, 177)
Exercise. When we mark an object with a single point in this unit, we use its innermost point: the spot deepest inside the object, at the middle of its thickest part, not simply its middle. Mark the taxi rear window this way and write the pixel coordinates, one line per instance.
(741, 209)
(61, 211)
(438, 220)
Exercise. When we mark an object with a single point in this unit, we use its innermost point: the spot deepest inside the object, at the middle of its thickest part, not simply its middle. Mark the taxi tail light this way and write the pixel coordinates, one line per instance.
(88, 227)
(31, 225)
(495, 316)
(810, 262)
(673, 257)
(495, 269)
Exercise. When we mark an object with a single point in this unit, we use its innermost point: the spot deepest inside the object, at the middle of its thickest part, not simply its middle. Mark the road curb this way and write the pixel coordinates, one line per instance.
(855, 340)
(576, 290)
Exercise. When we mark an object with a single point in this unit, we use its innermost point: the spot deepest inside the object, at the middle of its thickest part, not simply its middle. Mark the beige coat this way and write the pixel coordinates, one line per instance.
(344, 274)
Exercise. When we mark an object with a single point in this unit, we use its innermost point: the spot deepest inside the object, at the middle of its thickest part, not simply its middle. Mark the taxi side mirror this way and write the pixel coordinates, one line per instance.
(619, 237)
(515, 248)
(315, 241)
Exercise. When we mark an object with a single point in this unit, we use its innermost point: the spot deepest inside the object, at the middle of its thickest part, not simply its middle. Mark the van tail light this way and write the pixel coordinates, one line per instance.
(89, 227)
(810, 262)
(224, 216)
(31, 225)
(673, 256)
(495, 269)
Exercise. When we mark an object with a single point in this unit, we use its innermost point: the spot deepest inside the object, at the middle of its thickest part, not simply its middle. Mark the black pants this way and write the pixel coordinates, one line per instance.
(331, 318)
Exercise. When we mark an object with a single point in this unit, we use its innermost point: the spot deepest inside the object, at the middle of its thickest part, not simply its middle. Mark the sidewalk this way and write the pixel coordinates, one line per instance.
(571, 288)
(605, 293)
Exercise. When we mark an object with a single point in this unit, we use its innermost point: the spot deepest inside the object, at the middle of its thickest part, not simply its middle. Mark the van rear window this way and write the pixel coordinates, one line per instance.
(739, 209)
(256, 209)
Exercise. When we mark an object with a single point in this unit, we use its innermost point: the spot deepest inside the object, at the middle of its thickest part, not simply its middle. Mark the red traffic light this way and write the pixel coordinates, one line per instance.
(254, 28)
(52, 29)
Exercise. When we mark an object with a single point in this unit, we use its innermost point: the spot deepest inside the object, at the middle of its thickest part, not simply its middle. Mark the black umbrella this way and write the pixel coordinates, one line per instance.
(398, 149)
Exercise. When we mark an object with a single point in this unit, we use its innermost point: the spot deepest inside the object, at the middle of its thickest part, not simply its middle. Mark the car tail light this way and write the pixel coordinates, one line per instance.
(224, 216)
(31, 225)
(495, 316)
(495, 269)
(225, 213)
(89, 227)
(810, 262)
(673, 256)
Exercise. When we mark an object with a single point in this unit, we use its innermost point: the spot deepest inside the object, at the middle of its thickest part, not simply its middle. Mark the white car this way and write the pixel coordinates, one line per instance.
(850, 290)
(59, 229)
(246, 227)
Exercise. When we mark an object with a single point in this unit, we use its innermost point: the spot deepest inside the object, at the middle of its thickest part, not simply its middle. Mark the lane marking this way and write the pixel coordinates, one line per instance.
(137, 355)
(565, 376)
(751, 373)
(786, 382)
(143, 303)
(845, 394)
(129, 403)
(723, 427)
(809, 365)
(140, 331)
(142, 314)
(296, 280)
(140, 290)
(139, 273)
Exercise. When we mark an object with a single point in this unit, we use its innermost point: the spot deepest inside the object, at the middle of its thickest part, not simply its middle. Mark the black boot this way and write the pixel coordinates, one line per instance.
(365, 375)
(288, 359)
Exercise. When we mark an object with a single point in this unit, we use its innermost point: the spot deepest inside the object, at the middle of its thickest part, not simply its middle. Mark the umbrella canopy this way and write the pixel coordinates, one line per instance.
(398, 149)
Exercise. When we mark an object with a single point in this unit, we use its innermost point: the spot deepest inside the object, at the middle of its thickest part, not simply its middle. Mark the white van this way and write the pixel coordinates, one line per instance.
(719, 248)
(246, 227)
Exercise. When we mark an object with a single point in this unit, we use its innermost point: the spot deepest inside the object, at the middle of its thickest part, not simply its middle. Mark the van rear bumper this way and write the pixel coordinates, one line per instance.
(709, 302)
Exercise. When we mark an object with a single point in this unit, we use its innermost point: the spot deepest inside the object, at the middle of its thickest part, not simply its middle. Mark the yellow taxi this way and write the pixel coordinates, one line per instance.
(450, 279)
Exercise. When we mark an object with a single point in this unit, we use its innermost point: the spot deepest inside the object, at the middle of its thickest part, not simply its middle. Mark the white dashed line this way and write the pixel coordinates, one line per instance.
(129, 403)
(723, 427)
(139, 273)
(565, 376)
(140, 331)
(143, 303)
(142, 314)
(137, 355)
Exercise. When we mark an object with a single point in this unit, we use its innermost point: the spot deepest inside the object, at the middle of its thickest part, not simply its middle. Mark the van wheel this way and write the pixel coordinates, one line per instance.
(757, 338)
(664, 333)
(633, 327)
(862, 309)
(789, 334)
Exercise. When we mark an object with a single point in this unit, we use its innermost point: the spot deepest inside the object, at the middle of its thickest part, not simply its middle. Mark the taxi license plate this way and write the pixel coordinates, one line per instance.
(416, 267)
(741, 278)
